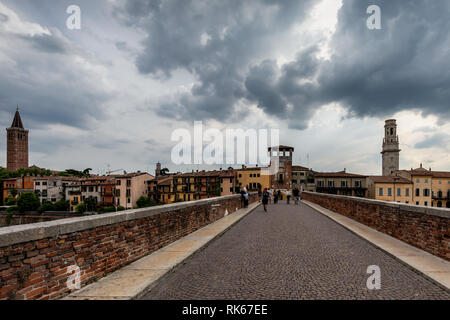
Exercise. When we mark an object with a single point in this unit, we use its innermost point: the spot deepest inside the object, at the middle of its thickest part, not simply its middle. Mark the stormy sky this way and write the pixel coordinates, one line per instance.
(111, 93)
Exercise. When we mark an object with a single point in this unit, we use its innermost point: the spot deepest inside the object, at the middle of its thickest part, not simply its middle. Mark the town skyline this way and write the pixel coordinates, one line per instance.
(88, 95)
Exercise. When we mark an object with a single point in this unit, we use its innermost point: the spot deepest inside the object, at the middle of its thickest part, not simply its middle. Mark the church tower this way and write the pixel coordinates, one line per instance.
(391, 150)
(16, 144)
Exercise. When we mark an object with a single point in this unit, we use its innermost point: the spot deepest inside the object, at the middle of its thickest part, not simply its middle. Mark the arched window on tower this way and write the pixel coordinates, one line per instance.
(392, 131)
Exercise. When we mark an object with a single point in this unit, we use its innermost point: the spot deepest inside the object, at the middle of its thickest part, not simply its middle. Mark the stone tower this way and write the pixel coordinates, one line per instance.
(282, 179)
(16, 145)
(158, 170)
(391, 150)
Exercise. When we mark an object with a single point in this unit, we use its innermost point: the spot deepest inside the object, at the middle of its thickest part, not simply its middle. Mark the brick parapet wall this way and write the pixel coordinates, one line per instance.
(423, 227)
(34, 258)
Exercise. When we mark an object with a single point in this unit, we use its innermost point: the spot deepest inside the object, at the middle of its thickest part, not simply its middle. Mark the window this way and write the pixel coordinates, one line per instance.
(330, 184)
(118, 182)
(407, 192)
(320, 183)
(258, 175)
(426, 192)
(399, 192)
(389, 191)
(128, 183)
(380, 192)
(426, 204)
(240, 175)
(426, 180)
(44, 183)
(54, 183)
(128, 200)
(358, 184)
(418, 180)
(417, 192)
(287, 153)
(128, 192)
(37, 183)
(343, 184)
(417, 203)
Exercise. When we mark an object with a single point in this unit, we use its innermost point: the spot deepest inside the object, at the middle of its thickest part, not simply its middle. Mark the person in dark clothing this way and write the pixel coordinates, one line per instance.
(280, 196)
(265, 199)
(275, 198)
(296, 195)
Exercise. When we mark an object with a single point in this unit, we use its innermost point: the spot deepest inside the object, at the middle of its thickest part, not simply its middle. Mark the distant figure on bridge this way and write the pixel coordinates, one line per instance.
(275, 198)
(296, 195)
(288, 196)
(280, 195)
(244, 195)
(265, 198)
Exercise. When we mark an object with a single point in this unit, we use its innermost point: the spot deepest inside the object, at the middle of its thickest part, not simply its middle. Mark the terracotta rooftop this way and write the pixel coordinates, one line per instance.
(389, 179)
(340, 174)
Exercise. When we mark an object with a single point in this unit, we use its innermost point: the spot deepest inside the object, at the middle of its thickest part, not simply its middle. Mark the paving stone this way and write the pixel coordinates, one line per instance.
(293, 252)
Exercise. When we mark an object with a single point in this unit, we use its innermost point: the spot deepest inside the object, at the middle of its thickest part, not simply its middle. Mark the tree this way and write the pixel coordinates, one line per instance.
(120, 208)
(144, 202)
(107, 209)
(14, 192)
(10, 201)
(87, 172)
(46, 206)
(62, 205)
(164, 171)
(91, 203)
(80, 208)
(28, 202)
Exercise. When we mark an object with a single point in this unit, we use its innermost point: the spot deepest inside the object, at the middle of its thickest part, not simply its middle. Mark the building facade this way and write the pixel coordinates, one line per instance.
(303, 179)
(341, 183)
(16, 145)
(281, 167)
(130, 187)
(390, 188)
(391, 149)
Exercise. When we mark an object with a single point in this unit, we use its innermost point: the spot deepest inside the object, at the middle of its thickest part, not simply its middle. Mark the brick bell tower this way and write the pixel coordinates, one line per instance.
(16, 144)
(391, 150)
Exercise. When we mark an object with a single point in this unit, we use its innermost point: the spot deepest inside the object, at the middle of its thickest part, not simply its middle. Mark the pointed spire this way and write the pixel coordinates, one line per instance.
(17, 122)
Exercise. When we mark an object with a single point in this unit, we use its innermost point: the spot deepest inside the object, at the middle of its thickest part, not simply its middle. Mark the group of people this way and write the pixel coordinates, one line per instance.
(266, 196)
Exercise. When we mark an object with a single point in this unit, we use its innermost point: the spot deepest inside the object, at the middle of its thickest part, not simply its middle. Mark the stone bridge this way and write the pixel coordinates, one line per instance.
(326, 247)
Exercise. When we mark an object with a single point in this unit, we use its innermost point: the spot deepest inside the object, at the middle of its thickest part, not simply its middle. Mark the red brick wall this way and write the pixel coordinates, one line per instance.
(37, 269)
(425, 228)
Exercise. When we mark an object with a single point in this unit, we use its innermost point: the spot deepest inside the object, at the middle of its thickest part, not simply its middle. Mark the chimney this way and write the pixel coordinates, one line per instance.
(345, 169)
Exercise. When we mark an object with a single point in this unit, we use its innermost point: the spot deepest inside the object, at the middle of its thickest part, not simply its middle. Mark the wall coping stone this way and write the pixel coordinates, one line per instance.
(431, 211)
(34, 231)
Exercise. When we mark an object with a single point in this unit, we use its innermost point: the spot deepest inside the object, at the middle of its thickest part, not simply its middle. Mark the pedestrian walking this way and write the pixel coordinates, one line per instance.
(288, 196)
(280, 196)
(296, 195)
(265, 199)
(275, 198)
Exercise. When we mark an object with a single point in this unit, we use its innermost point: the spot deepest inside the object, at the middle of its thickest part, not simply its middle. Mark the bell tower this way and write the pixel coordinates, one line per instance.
(16, 144)
(391, 150)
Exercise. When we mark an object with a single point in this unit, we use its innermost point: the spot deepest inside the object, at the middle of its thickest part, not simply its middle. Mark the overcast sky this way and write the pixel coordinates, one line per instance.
(112, 92)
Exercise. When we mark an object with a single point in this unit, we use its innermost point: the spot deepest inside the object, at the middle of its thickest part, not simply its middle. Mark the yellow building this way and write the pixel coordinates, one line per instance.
(422, 185)
(440, 190)
(390, 188)
(252, 179)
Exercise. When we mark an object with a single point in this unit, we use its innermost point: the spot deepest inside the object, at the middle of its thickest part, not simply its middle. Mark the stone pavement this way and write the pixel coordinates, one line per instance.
(294, 252)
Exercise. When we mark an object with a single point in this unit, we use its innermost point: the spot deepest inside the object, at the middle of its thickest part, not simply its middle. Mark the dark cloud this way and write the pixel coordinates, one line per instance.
(439, 140)
(371, 72)
(216, 41)
(50, 43)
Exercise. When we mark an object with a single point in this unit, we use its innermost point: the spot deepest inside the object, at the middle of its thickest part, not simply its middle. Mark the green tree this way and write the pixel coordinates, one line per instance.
(120, 208)
(14, 192)
(62, 205)
(28, 202)
(10, 201)
(91, 204)
(164, 171)
(13, 209)
(46, 206)
(144, 202)
(108, 209)
(80, 208)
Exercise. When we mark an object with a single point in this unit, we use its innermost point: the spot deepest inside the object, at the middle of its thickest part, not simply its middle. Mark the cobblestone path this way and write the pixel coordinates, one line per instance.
(294, 252)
